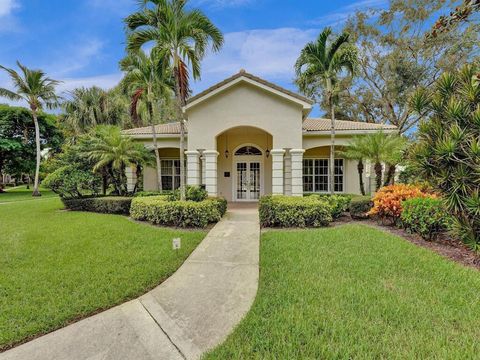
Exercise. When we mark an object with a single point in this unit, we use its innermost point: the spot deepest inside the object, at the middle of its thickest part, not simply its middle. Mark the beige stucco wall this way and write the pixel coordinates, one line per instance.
(245, 105)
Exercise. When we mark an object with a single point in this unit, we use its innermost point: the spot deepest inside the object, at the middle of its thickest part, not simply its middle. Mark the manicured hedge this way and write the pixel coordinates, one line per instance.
(360, 206)
(289, 211)
(425, 216)
(160, 211)
(106, 205)
(339, 203)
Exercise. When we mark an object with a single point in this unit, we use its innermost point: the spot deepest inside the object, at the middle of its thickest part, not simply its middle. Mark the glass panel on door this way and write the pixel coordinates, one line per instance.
(242, 181)
(254, 181)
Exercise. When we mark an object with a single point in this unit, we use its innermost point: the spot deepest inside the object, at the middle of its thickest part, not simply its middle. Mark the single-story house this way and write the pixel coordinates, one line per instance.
(247, 137)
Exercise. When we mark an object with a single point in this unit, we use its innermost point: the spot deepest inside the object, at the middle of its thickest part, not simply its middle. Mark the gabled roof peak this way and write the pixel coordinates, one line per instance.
(243, 75)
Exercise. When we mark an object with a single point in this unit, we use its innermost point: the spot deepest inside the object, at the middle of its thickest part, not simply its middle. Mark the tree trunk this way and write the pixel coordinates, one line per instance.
(182, 134)
(390, 175)
(36, 191)
(155, 145)
(332, 136)
(360, 168)
(378, 173)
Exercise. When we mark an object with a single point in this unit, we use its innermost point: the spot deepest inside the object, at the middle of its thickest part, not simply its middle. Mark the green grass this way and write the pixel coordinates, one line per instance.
(354, 292)
(22, 193)
(57, 266)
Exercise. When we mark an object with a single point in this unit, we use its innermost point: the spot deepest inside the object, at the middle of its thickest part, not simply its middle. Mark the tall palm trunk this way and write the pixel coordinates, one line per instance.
(155, 145)
(390, 175)
(180, 103)
(332, 136)
(378, 174)
(360, 168)
(36, 191)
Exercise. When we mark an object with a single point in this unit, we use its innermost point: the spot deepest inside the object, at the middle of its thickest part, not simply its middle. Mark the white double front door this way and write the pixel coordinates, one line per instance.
(248, 179)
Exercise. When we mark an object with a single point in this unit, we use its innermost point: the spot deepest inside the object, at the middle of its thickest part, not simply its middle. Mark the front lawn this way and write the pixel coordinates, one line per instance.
(58, 266)
(353, 292)
(22, 193)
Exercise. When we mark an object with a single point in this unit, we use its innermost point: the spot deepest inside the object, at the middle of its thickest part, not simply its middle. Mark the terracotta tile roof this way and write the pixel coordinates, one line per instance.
(161, 129)
(309, 125)
(319, 124)
(243, 73)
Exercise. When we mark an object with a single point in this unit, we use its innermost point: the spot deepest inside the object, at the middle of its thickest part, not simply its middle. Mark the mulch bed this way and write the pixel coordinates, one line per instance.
(444, 245)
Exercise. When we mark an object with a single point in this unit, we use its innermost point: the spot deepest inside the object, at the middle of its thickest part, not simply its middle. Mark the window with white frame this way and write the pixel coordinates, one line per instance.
(170, 170)
(316, 175)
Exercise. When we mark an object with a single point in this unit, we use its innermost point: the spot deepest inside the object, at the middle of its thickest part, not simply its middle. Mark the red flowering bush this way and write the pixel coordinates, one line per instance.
(387, 203)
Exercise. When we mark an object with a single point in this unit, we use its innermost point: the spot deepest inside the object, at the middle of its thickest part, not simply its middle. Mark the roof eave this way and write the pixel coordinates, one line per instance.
(348, 132)
(305, 103)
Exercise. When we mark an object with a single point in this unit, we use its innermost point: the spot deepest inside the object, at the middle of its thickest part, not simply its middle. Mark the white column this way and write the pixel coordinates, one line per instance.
(211, 171)
(131, 174)
(297, 171)
(193, 168)
(277, 171)
(287, 171)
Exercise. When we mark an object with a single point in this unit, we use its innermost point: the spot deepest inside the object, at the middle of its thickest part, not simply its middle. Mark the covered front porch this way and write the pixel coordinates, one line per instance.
(244, 166)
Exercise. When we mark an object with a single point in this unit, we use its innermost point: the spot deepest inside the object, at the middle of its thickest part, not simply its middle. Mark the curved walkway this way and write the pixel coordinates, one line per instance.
(191, 312)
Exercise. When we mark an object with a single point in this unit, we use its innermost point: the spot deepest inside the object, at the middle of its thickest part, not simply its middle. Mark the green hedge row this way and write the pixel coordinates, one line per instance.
(288, 211)
(105, 205)
(161, 211)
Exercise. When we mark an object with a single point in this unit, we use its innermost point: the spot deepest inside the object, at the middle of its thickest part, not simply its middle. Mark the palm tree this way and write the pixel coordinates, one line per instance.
(146, 79)
(180, 38)
(114, 152)
(89, 107)
(318, 67)
(354, 151)
(37, 90)
(378, 148)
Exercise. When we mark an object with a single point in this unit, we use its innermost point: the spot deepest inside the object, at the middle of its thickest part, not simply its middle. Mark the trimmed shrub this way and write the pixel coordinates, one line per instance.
(289, 211)
(69, 181)
(387, 202)
(221, 204)
(339, 203)
(105, 205)
(160, 211)
(360, 206)
(152, 193)
(425, 216)
(193, 193)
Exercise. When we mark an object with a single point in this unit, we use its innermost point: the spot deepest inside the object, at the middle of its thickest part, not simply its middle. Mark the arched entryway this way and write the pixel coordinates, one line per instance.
(244, 164)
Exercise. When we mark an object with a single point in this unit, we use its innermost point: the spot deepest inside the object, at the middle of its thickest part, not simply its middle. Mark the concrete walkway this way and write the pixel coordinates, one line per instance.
(191, 312)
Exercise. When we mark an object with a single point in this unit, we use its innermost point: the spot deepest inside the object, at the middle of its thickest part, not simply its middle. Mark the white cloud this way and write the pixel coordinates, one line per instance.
(266, 53)
(103, 81)
(75, 57)
(8, 22)
(7, 6)
(342, 14)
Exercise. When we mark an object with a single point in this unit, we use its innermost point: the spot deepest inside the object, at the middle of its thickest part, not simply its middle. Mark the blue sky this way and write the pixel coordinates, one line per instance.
(81, 41)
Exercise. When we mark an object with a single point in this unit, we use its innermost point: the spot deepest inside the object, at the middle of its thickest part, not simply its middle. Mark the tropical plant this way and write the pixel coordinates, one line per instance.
(89, 107)
(180, 38)
(387, 202)
(425, 216)
(147, 79)
(37, 90)
(318, 67)
(113, 152)
(447, 153)
(354, 151)
(378, 148)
